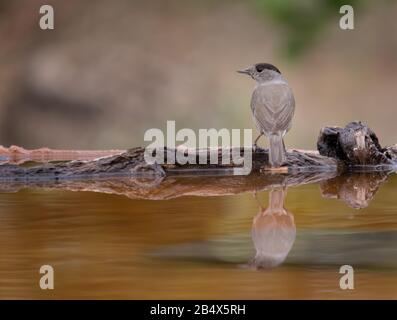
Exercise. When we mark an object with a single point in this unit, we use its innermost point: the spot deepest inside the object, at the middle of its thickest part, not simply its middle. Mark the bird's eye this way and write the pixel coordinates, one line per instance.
(260, 67)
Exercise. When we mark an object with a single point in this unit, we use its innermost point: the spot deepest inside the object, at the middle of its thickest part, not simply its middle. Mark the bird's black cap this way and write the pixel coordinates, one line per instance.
(262, 66)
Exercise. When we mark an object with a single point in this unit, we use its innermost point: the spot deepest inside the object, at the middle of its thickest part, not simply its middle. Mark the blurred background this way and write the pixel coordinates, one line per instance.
(113, 69)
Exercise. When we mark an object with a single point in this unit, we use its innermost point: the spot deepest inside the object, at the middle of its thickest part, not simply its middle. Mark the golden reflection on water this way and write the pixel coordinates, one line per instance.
(109, 246)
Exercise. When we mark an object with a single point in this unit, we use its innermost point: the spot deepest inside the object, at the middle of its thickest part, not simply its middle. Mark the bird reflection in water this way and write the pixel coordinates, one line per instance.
(273, 232)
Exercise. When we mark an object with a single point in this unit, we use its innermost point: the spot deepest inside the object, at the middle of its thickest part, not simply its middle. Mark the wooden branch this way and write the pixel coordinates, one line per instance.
(18, 155)
(352, 148)
(132, 162)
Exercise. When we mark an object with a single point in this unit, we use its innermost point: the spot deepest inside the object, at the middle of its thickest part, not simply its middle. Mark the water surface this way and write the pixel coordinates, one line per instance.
(285, 242)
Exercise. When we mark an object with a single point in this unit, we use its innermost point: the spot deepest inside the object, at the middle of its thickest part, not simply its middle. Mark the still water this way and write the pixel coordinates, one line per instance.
(193, 239)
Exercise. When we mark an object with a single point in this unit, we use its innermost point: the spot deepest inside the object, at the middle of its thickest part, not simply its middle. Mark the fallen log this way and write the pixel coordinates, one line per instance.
(19, 155)
(354, 147)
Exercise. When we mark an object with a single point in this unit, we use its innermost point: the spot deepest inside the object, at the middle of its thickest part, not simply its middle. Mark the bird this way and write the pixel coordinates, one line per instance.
(273, 107)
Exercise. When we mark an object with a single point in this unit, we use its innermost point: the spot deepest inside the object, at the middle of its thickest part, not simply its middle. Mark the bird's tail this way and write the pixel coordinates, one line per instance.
(276, 150)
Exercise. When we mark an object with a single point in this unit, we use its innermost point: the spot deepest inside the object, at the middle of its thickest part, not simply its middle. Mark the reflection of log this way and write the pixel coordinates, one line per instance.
(339, 148)
(172, 187)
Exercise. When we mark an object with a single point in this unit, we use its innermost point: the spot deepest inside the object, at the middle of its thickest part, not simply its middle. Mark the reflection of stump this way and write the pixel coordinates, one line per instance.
(356, 190)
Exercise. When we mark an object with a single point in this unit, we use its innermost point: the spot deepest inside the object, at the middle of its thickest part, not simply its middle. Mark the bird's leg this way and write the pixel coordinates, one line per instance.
(256, 140)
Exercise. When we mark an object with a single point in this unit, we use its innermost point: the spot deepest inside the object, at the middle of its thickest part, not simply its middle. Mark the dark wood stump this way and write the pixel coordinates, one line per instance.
(355, 145)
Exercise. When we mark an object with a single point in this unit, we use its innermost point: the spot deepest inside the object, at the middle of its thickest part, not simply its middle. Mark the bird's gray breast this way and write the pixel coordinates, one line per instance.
(273, 107)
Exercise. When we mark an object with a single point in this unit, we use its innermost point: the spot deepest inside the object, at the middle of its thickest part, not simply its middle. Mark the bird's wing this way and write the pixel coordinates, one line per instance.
(273, 107)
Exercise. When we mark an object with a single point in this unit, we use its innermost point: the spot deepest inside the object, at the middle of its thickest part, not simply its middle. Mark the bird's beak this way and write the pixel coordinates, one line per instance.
(245, 71)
